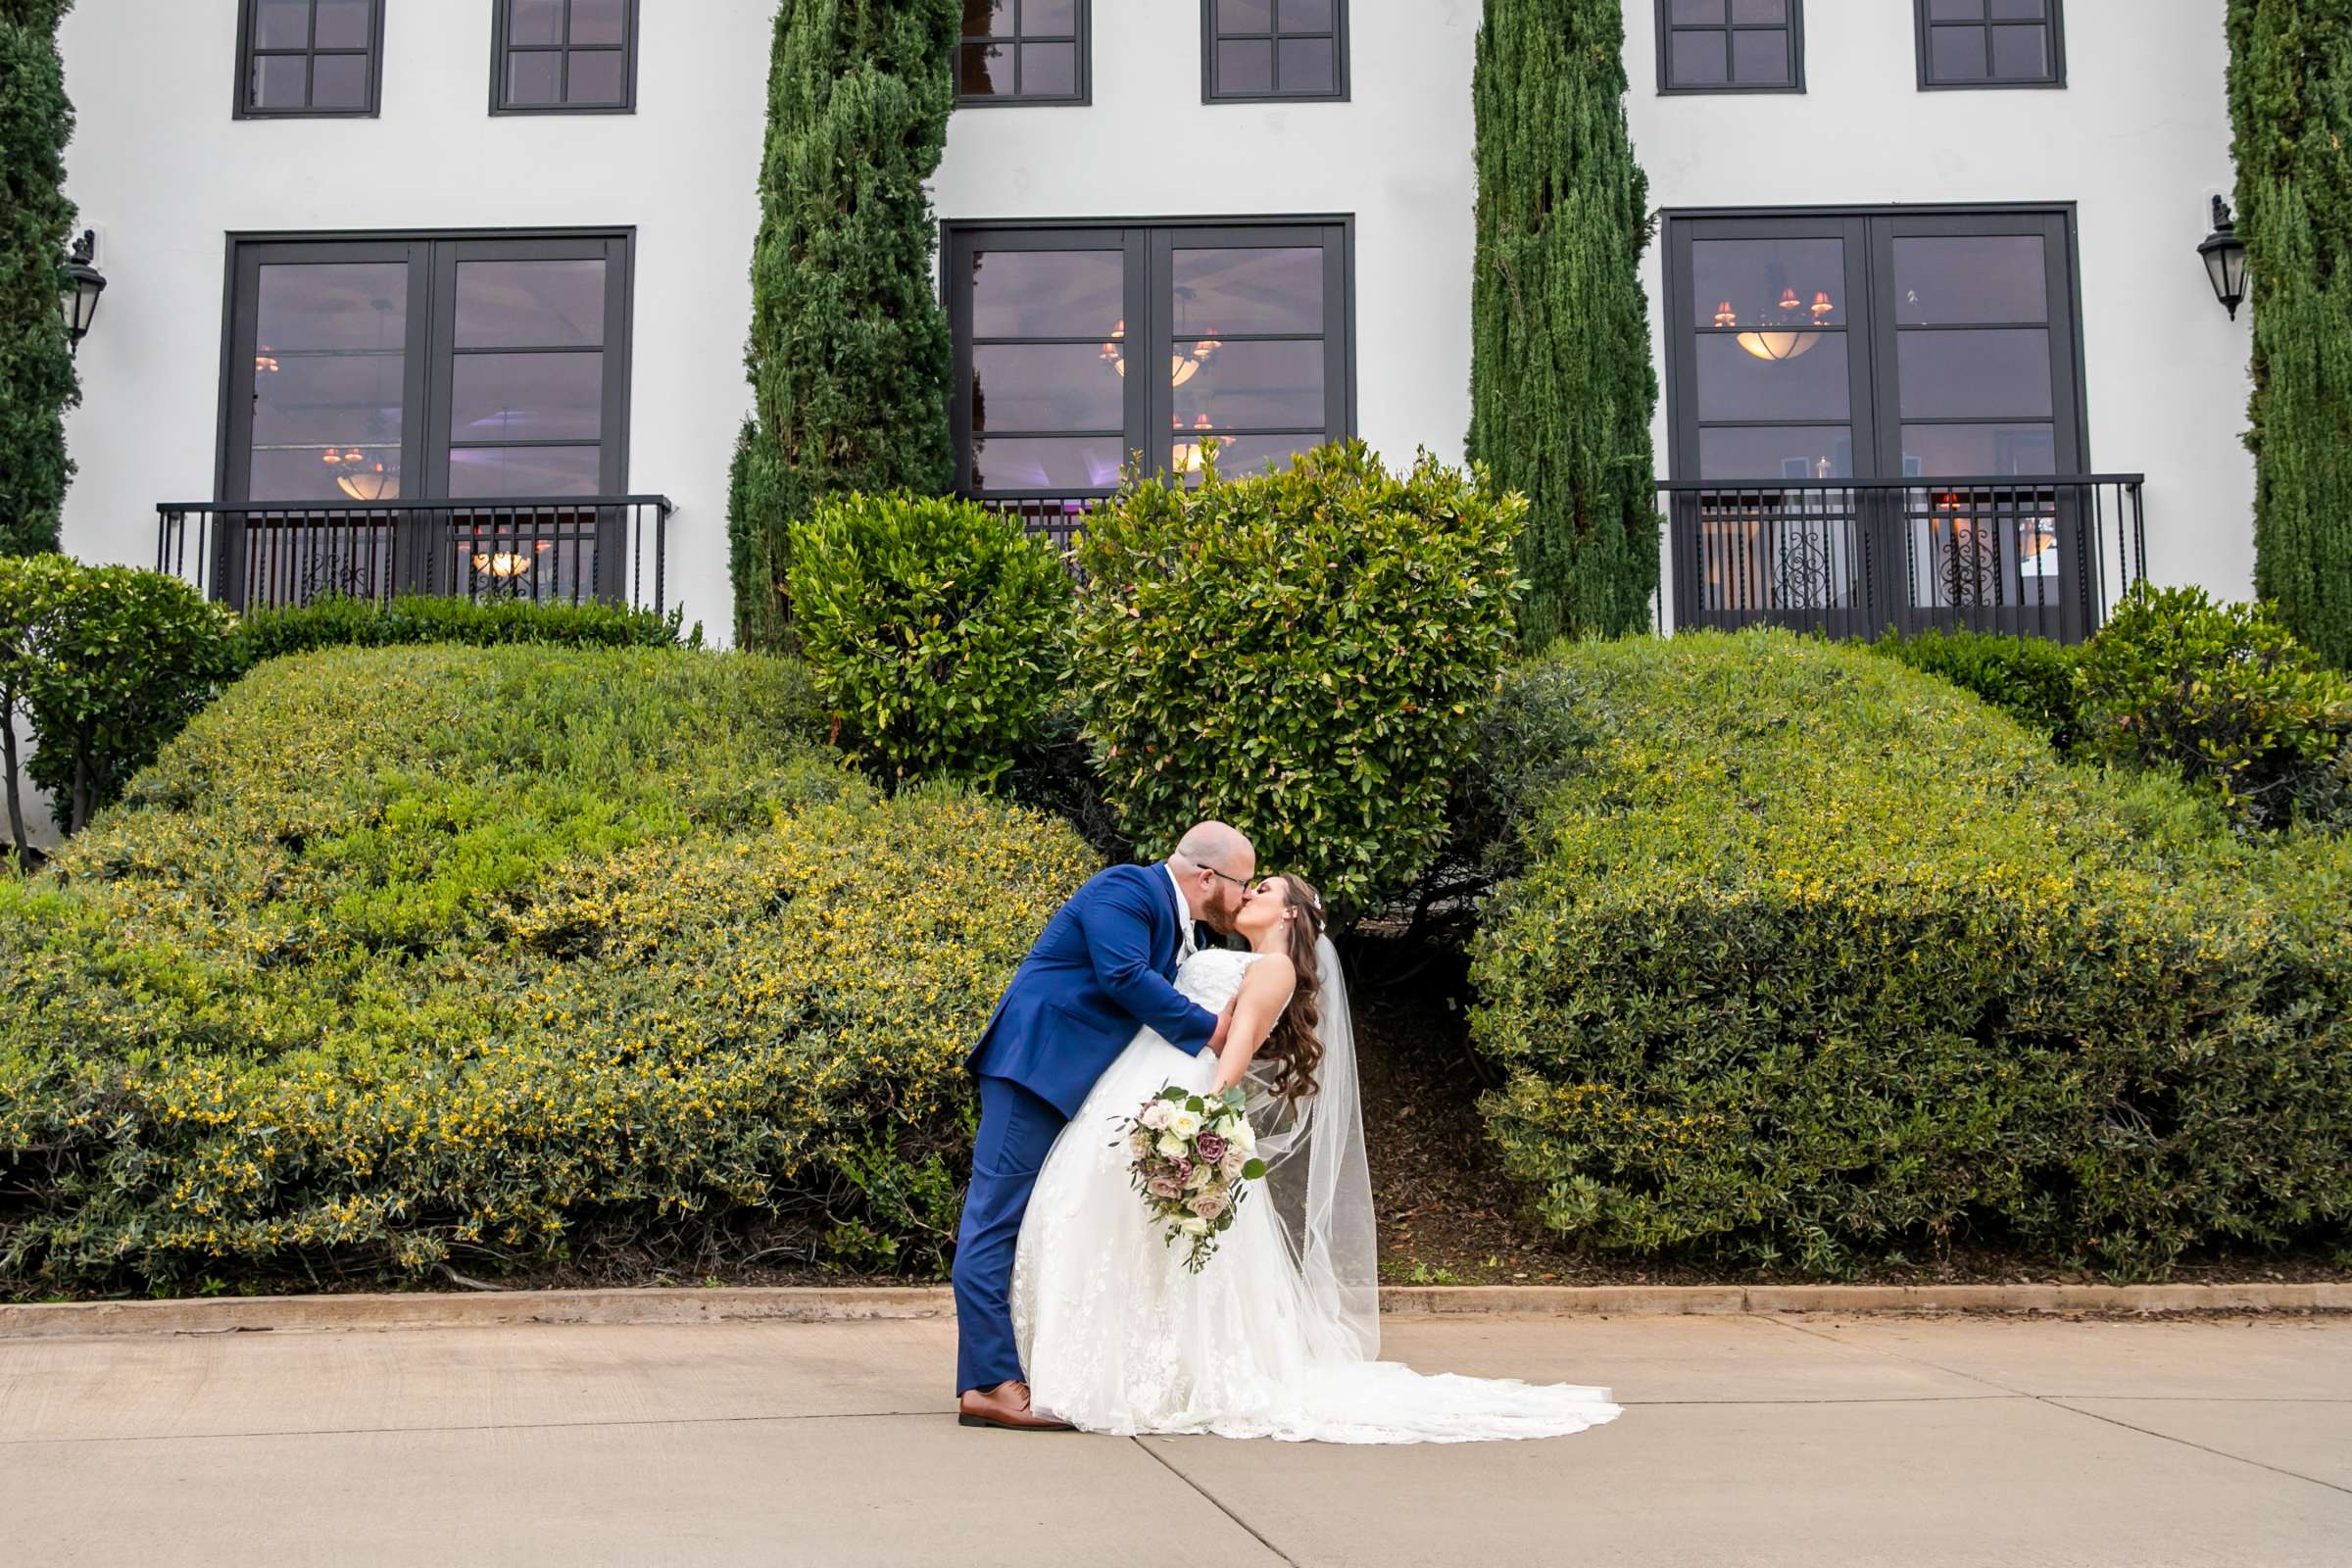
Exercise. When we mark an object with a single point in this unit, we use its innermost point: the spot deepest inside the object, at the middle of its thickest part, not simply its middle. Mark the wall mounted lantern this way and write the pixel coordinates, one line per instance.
(2224, 259)
(78, 299)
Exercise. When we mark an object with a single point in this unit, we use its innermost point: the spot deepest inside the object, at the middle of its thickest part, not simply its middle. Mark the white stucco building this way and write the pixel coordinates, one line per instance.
(491, 254)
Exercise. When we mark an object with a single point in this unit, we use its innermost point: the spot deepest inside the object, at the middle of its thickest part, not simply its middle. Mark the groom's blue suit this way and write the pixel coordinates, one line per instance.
(1102, 970)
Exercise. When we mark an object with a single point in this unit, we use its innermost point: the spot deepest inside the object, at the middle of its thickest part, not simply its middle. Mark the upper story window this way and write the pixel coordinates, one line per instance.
(1260, 49)
(309, 57)
(1990, 43)
(1731, 46)
(563, 57)
(1022, 52)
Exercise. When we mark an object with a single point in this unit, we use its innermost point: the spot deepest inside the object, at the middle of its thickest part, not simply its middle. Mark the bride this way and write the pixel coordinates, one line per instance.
(1279, 1335)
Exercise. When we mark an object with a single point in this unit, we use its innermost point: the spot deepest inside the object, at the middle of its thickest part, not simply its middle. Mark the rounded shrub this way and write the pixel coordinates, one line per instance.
(2225, 694)
(934, 628)
(1304, 654)
(2031, 679)
(1812, 962)
(107, 664)
(501, 958)
(338, 621)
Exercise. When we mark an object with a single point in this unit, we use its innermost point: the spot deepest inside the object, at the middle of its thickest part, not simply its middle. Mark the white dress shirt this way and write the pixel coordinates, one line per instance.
(1184, 945)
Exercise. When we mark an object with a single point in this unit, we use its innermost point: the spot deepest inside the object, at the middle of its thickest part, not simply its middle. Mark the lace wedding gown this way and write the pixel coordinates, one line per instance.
(1277, 1336)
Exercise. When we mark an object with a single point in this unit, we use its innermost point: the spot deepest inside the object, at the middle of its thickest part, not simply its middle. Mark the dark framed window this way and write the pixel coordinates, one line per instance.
(1991, 43)
(302, 59)
(1023, 52)
(1254, 51)
(1731, 46)
(1827, 345)
(1056, 325)
(488, 373)
(413, 368)
(1876, 407)
(570, 57)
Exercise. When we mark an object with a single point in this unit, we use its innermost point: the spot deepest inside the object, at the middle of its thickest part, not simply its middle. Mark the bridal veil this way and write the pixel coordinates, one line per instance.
(1317, 1179)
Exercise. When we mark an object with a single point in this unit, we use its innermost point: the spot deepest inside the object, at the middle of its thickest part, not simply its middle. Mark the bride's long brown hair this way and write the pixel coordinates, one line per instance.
(1292, 1045)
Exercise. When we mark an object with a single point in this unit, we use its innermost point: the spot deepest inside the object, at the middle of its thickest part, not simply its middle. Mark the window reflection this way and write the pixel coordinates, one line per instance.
(329, 376)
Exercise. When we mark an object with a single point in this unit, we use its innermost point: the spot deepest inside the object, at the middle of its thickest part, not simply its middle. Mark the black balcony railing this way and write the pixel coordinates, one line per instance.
(1059, 519)
(1856, 558)
(561, 549)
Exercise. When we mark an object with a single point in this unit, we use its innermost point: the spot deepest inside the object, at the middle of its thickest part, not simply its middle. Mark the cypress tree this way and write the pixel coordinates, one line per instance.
(36, 364)
(2290, 108)
(1561, 387)
(848, 355)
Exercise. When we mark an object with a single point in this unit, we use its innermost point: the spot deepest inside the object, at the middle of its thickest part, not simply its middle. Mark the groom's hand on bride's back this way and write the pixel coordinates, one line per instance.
(1216, 1039)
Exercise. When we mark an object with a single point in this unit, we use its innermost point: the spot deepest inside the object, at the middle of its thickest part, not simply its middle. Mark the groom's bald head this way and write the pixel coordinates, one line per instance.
(1220, 844)
(1213, 862)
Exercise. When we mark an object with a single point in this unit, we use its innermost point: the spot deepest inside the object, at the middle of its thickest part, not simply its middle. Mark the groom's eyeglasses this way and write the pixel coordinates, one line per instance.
(1241, 882)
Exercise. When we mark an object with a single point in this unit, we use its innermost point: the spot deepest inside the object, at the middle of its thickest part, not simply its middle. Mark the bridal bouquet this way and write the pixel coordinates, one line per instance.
(1191, 1153)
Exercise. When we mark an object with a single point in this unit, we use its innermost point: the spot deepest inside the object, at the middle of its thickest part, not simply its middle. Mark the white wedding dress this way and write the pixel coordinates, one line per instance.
(1278, 1336)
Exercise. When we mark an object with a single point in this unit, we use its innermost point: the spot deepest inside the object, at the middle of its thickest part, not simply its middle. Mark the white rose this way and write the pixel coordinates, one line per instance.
(1192, 1225)
(1230, 1126)
(1171, 1146)
(1185, 1124)
(1233, 1162)
(1245, 1140)
(1200, 1177)
(1155, 1115)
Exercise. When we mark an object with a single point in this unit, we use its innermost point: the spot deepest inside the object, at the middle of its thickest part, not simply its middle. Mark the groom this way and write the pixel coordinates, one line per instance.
(1102, 971)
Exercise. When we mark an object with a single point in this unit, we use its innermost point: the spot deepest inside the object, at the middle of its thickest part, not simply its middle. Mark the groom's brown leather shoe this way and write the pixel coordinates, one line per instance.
(1006, 1406)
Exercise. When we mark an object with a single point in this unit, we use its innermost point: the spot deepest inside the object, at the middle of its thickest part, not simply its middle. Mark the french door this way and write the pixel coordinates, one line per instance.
(1875, 420)
(1083, 351)
(422, 411)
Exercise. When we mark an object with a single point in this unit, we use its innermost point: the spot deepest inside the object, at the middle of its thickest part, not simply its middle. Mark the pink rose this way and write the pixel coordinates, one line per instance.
(1209, 1202)
(1231, 1165)
(1162, 1187)
(1210, 1146)
(1155, 1115)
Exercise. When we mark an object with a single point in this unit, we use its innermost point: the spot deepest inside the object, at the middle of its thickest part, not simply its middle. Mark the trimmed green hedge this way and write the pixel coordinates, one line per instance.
(2031, 679)
(1814, 960)
(334, 621)
(106, 663)
(935, 628)
(1302, 654)
(500, 955)
(2225, 694)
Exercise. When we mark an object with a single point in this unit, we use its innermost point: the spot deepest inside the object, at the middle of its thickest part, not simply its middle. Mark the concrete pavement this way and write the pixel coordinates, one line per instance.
(1747, 1441)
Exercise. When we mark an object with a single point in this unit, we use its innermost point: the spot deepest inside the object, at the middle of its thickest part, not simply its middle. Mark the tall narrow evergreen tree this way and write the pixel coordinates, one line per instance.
(1561, 388)
(36, 364)
(2290, 105)
(848, 354)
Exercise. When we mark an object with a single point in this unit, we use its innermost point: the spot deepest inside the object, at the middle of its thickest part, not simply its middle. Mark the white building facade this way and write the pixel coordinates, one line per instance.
(367, 255)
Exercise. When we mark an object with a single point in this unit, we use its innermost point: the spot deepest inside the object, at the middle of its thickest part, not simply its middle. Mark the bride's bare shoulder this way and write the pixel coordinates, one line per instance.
(1271, 972)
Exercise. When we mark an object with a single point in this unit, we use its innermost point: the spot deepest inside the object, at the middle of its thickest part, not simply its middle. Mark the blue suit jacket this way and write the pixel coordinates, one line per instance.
(1102, 968)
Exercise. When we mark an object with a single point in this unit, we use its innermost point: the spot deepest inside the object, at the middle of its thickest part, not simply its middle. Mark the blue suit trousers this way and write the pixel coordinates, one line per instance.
(1017, 1129)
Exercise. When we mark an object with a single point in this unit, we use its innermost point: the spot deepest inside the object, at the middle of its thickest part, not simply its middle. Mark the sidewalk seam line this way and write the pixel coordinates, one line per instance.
(2219, 1454)
(1217, 1504)
(2056, 1403)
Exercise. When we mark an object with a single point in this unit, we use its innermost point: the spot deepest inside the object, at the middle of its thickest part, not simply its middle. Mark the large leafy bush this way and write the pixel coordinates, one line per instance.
(1813, 959)
(935, 629)
(1304, 654)
(419, 954)
(106, 662)
(2031, 679)
(337, 621)
(2226, 695)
